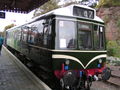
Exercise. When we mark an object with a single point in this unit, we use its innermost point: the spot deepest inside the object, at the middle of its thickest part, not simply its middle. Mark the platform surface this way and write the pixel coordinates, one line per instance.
(12, 77)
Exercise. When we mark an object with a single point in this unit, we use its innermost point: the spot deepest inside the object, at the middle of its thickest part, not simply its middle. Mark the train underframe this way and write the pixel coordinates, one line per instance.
(81, 79)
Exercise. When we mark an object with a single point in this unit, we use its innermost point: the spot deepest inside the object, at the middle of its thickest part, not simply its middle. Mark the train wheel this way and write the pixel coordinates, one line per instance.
(106, 74)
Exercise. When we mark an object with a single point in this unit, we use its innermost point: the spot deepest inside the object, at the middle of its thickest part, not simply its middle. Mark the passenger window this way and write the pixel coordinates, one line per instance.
(45, 31)
(17, 34)
(37, 33)
(25, 33)
(35, 36)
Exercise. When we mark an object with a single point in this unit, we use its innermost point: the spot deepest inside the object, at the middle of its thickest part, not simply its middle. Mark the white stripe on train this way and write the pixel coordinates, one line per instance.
(77, 60)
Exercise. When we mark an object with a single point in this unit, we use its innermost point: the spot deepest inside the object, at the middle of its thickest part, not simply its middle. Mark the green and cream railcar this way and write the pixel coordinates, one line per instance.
(68, 42)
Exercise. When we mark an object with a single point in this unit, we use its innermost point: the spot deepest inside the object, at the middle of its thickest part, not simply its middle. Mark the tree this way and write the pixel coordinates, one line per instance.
(69, 2)
(108, 3)
(9, 26)
(50, 5)
(53, 4)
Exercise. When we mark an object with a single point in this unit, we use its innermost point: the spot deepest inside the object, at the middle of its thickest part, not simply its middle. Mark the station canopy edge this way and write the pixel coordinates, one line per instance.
(20, 6)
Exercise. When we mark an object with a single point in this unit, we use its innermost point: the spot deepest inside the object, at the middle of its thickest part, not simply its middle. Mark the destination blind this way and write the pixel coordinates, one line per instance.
(83, 12)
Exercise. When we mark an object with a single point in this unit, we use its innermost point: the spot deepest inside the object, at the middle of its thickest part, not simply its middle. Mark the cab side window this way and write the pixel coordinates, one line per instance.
(47, 34)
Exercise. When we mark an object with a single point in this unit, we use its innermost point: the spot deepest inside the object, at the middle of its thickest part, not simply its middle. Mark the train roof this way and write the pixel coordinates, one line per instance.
(68, 11)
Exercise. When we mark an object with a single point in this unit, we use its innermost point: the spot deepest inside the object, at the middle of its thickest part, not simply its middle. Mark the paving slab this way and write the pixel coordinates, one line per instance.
(12, 77)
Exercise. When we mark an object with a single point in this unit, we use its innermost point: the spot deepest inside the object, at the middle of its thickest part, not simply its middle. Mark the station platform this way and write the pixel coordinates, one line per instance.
(13, 77)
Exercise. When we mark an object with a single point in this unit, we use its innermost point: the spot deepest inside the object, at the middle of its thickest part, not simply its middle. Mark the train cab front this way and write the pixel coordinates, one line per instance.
(79, 54)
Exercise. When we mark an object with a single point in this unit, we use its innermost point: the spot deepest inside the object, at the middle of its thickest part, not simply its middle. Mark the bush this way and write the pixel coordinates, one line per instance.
(110, 52)
(113, 49)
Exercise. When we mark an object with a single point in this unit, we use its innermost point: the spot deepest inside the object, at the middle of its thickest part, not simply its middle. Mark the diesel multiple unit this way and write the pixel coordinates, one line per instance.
(68, 42)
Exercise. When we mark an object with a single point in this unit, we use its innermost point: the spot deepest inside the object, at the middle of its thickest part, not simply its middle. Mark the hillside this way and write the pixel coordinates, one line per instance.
(109, 11)
(111, 16)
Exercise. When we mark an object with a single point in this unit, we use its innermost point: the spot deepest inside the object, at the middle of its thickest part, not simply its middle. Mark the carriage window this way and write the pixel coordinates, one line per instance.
(84, 36)
(35, 34)
(24, 33)
(66, 34)
(46, 34)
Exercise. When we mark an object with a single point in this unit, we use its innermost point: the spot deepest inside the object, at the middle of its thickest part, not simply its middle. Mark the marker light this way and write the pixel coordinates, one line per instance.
(100, 60)
(67, 62)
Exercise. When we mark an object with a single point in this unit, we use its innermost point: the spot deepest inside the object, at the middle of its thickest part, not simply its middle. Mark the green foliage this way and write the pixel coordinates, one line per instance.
(108, 3)
(113, 49)
(50, 5)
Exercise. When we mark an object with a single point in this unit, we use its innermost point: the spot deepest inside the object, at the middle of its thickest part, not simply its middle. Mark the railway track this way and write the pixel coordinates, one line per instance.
(115, 77)
(114, 80)
(112, 84)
